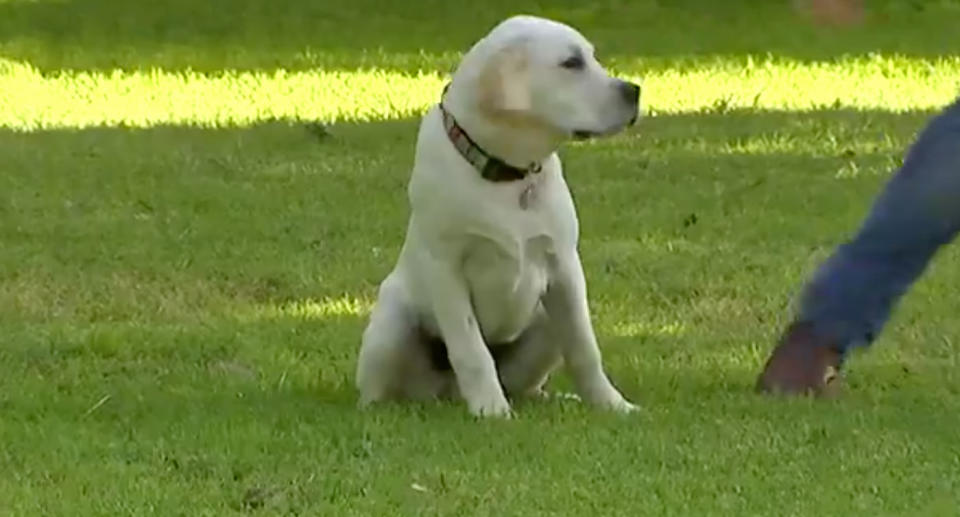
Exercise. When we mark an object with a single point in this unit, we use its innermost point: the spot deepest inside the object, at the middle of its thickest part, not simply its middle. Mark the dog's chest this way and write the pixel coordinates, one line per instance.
(505, 288)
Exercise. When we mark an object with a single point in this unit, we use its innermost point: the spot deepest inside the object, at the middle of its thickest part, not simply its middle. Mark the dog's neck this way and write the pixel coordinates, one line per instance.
(512, 138)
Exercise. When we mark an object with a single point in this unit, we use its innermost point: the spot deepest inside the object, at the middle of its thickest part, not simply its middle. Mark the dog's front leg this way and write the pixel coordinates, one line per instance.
(569, 320)
(470, 358)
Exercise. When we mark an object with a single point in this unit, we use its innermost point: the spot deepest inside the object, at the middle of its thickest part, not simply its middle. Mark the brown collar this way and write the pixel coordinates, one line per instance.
(490, 167)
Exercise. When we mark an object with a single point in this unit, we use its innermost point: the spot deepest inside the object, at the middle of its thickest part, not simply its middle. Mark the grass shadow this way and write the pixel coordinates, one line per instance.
(428, 35)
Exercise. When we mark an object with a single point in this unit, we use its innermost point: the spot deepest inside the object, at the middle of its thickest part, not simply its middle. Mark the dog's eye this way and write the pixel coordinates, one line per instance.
(573, 63)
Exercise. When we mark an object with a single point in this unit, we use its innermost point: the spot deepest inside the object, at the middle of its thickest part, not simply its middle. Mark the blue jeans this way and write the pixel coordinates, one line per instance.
(851, 296)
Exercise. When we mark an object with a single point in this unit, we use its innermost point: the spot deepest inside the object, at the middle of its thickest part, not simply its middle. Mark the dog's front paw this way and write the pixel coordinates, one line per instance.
(495, 406)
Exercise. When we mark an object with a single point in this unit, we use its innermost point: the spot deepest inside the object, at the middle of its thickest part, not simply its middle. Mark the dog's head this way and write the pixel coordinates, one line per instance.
(543, 73)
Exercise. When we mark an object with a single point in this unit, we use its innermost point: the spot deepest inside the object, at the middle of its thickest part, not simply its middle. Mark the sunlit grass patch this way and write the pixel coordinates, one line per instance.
(642, 328)
(228, 98)
(316, 309)
(78, 99)
(879, 82)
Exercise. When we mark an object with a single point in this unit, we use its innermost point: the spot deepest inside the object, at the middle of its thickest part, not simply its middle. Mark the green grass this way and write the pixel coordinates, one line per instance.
(185, 269)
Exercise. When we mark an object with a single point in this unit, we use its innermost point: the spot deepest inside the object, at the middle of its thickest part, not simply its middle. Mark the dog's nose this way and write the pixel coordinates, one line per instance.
(630, 92)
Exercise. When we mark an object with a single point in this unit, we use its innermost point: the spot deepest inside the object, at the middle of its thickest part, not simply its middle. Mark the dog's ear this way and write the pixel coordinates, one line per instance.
(504, 82)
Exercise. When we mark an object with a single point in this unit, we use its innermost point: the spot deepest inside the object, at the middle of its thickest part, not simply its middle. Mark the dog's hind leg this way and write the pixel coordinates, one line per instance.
(393, 362)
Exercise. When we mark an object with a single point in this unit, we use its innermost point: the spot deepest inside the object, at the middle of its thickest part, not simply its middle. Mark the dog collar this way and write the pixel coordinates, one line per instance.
(490, 168)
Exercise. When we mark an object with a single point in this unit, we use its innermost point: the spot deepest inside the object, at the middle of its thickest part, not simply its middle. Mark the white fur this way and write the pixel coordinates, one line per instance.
(479, 267)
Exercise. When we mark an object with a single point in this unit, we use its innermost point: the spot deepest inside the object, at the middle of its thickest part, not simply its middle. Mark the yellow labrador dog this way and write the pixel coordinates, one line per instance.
(488, 295)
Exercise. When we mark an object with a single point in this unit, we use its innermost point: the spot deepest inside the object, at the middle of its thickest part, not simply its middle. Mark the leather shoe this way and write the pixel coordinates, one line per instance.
(803, 363)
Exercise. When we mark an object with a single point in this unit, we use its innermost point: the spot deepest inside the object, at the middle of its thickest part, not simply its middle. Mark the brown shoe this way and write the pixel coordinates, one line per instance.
(802, 364)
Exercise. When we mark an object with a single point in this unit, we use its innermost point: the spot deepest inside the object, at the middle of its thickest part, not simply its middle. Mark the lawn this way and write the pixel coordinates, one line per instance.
(198, 200)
